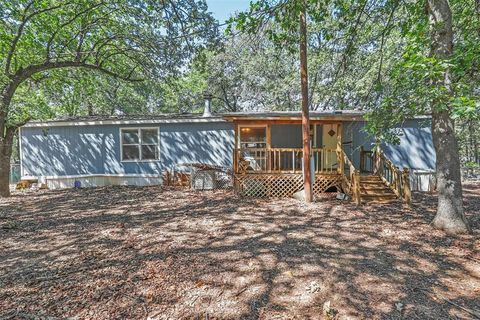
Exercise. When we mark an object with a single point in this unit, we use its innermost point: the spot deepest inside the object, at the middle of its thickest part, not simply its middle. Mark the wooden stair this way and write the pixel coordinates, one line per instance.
(374, 190)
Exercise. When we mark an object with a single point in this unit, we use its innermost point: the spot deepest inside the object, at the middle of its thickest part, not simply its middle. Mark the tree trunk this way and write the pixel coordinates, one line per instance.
(473, 142)
(471, 150)
(6, 135)
(307, 182)
(450, 215)
(5, 154)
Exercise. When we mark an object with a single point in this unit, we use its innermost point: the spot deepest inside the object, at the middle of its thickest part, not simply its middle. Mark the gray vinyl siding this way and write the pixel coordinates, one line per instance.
(210, 143)
(86, 150)
(89, 150)
(66, 150)
(353, 138)
(414, 151)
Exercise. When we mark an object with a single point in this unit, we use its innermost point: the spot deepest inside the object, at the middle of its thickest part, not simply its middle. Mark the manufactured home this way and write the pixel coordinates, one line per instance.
(262, 149)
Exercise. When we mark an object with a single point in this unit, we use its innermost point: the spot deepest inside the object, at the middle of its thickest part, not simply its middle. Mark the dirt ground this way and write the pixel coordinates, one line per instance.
(138, 253)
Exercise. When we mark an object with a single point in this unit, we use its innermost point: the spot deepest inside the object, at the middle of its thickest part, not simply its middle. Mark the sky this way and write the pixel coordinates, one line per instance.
(223, 9)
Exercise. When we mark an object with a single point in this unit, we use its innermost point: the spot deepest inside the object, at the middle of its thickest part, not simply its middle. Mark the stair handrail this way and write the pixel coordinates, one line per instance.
(352, 180)
(392, 176)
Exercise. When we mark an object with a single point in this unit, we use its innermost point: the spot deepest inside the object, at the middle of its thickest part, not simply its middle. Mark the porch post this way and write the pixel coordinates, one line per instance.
(269, 146)
(235, 146)
(407, 193)
(340, 160)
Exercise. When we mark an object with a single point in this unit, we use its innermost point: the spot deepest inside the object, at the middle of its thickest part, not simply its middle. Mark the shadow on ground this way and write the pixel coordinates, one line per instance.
(125, 252)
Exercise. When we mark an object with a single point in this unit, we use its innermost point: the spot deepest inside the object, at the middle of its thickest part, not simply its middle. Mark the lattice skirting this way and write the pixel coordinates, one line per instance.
(325, 182)
(281, 185)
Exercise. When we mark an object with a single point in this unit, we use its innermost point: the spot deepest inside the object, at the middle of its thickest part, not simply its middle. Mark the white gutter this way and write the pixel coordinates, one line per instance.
(118, 122)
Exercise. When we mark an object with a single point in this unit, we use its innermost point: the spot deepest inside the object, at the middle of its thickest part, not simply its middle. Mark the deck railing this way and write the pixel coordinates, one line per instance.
(396, 179)
(351, 178)
(283, 160)
(325, 161)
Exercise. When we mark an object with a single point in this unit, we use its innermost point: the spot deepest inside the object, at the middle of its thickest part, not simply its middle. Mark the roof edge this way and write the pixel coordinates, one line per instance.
(67, 123)
(345, 115)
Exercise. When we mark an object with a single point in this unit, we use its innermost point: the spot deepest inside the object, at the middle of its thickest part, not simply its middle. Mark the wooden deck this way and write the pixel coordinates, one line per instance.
(261, 170)
(277, 173)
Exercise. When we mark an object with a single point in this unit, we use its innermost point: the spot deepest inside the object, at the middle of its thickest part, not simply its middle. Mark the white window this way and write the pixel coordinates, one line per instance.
(139, 144)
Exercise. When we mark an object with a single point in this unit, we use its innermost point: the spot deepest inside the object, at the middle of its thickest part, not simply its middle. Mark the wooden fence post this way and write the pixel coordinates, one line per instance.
(398, 181)
(340, 160)
(376, 161)
(407, 192)
(356, 187)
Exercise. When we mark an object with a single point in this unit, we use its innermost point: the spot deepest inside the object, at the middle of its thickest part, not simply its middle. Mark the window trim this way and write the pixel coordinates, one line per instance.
(139, 143)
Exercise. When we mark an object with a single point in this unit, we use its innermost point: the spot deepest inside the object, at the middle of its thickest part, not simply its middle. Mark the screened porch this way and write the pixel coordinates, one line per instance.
(277, 148)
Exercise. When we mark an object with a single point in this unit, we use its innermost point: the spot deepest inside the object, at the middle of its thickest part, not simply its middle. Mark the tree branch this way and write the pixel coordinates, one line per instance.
(385, 32)
(26, 73)
(182, 25)
(71, 20)
(18, 125)
(26, 18)
(350, 41)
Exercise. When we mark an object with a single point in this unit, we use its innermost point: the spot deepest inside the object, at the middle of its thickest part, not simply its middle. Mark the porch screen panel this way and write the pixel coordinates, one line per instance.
(253, 144)
(286, 136)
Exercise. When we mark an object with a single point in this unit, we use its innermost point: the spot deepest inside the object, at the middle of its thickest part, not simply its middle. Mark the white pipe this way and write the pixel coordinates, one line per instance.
(207, 112)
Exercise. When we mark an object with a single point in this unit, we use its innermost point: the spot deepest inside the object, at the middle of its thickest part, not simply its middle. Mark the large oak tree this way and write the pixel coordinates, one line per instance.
(433, 76)
(450, 215)
(127, 40)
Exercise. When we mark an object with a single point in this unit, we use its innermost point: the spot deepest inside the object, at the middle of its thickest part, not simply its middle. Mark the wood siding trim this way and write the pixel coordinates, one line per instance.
(271, 122)
(293, 120)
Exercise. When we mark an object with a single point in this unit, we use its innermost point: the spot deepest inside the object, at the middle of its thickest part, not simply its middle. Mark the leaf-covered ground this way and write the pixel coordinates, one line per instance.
(134, 253)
